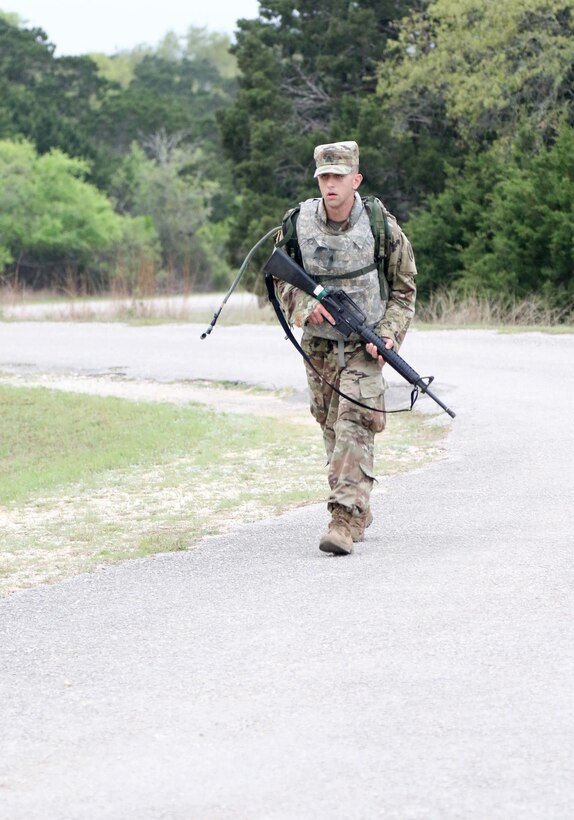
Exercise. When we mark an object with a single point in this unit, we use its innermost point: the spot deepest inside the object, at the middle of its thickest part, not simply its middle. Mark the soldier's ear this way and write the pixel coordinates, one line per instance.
(357, 179)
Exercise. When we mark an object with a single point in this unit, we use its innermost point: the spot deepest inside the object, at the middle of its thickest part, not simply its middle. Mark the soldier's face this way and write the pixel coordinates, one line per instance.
(338, 192)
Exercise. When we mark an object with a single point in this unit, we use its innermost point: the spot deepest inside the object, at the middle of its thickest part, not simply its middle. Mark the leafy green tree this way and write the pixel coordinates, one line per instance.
(176, 89)
(497, 78)
(177, 92)
(164, 94)
(490, 66)
(51, 101)
(66, 110)
(165, 182)
(162, 125)
(51, 220)
(119, 69)
(504, 226)
(452, 221)
(404, 166)
(530, 220)
(306, 66)
(24, 58)
(10, 17)
(202, 46)
(198, 44)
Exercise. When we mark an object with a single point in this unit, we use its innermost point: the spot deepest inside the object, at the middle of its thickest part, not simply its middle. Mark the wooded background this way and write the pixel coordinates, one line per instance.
(159, 168)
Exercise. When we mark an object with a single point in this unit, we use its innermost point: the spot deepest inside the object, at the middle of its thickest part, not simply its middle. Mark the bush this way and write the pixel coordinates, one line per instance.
(504, 226)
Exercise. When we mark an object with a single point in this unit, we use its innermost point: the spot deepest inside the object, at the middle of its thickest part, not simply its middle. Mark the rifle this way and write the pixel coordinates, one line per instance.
(348, 316)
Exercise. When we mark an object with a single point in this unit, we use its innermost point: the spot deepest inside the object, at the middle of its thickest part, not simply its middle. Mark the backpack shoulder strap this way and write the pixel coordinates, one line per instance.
(289, 229)
(382, 236)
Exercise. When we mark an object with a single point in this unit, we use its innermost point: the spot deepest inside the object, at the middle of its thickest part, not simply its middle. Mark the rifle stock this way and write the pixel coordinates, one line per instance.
(348, 318)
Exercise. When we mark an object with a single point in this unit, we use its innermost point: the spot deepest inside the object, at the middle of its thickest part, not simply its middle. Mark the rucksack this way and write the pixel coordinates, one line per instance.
(379, 227)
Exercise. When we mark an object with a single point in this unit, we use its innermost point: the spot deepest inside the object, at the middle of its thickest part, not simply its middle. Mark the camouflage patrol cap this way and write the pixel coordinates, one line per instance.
(336, 158)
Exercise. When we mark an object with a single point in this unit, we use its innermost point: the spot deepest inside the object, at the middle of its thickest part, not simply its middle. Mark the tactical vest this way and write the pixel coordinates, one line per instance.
(344, 260)
(380, 229)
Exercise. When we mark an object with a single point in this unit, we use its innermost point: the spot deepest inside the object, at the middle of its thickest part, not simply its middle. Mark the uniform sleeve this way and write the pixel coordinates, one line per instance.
(297, 305)
(402, 287)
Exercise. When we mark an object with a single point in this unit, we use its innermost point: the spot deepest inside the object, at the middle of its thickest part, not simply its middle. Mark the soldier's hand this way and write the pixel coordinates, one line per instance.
(372, 350)
(319, 314)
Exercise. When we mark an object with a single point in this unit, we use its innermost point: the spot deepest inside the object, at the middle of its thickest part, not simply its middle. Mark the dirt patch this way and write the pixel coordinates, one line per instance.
(250, 401)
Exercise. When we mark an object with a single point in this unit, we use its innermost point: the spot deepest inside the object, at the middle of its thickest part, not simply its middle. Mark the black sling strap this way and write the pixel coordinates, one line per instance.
(284, 324)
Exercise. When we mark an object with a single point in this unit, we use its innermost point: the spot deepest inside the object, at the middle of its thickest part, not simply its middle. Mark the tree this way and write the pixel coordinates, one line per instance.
(530, 224)
(454, 220)
(504, 227)
(119, 69)
(491, 66)
(88, 110)
(52, 222)
(201, 45)
(305, 68)
(165, 183)
(176, 91)
(24, 57)
(51, 101)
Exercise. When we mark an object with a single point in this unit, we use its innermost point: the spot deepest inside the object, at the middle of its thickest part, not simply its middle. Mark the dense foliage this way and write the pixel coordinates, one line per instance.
(503, 76)
(141, 128)
(308, 75)
(54, 224)
(463, 111)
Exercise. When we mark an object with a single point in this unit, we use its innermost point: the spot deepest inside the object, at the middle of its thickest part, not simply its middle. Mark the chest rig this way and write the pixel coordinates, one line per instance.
(342, 259)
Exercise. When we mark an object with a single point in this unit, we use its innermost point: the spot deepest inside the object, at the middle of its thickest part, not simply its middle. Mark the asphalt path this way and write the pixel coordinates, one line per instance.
(428, 675)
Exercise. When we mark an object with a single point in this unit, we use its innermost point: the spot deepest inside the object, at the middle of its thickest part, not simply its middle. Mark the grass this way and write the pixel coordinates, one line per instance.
(86, 481)
(444, 309)
(50, 439)
(242, 308)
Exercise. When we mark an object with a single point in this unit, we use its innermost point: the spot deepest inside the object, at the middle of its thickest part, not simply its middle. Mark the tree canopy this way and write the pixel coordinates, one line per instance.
(493, 66)
(463, 111)
(51, 219)
(124, 126)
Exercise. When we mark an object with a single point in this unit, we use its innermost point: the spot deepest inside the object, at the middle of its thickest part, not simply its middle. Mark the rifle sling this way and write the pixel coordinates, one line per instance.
(326, 277)
(284, 324)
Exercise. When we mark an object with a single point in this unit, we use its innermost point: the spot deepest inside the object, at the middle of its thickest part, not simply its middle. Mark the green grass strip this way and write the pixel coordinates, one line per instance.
(86, 481)
(49, 439)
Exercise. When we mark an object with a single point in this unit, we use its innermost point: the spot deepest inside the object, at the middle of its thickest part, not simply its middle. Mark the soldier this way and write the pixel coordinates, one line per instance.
(334, 237)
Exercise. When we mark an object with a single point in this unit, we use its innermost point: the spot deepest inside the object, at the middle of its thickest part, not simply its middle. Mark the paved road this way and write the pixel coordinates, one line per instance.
(163, 352)
(427, 677)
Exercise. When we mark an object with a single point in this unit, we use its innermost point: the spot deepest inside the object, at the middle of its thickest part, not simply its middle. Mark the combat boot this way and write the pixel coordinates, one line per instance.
(359, 524)
(338, 538)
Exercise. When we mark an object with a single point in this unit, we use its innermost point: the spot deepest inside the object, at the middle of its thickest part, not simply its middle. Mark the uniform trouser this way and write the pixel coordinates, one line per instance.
(348, 430)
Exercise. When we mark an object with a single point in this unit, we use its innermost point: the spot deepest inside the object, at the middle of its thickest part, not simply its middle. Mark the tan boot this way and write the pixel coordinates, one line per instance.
(359, 524)
(338, 539)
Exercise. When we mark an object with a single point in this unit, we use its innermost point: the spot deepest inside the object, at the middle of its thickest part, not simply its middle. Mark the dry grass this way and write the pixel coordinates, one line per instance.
(242, 308)
(442, 309)
(445, 308)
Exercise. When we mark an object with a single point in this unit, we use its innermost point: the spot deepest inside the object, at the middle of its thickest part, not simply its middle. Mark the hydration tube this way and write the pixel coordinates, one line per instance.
(237, 279)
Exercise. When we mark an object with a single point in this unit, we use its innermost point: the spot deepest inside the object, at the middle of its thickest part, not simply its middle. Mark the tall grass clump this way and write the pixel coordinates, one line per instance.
(444, 307)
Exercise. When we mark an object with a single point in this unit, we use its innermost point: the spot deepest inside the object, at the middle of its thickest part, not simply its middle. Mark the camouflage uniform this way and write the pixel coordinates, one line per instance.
(349, 430)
